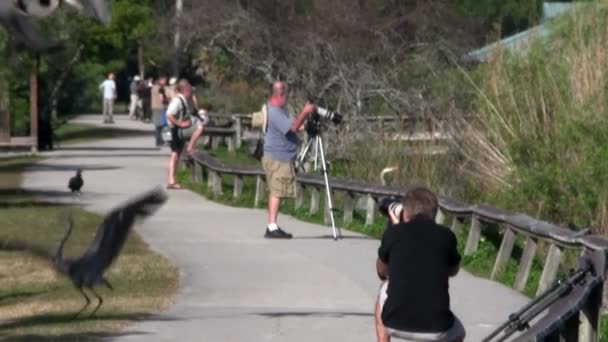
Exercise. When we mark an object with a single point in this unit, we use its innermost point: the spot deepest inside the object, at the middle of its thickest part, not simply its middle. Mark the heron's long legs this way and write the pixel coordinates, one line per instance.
(85, 305)
(107, 283)
(99, 304)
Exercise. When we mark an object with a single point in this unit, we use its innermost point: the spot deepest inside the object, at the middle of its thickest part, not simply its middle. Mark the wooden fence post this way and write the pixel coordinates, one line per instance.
(349, 206)
(211, 178)
(525, 264)
(238, 186)
(239, 132)
(474, 235)
(230, 143)
(215, 142)
(371, 208)
(440, 217)
(259, 191)
(504, 253)
(197, 172)
(314, 200)
(554, 257)
(456, 225)
(217, 184)
(590, 316)
(299, 195)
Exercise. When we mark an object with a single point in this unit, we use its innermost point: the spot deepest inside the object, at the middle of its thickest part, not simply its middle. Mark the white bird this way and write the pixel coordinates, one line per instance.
(385, 171)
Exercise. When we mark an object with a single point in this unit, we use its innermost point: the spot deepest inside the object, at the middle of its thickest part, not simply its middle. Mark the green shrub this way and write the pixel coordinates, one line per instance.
(543, 115)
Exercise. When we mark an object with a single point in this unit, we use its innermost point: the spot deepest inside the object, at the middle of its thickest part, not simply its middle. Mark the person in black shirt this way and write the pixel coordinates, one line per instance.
(418, 256)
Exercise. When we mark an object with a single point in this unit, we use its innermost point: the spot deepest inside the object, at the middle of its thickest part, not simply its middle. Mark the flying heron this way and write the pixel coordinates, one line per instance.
(87, 271)
(14, 16)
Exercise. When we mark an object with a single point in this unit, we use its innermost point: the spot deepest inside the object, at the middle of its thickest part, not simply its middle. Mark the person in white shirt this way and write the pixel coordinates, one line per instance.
(180, 115)
(108, 88)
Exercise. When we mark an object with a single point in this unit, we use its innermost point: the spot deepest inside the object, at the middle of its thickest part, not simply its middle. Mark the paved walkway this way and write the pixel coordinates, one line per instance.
(236, 285)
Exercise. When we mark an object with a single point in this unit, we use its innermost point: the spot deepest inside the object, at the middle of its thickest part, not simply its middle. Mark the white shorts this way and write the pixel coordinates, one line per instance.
(455, 334)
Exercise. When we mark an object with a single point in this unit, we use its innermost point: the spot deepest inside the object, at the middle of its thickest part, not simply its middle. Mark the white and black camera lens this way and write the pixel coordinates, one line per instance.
(392, 204)
(327, 114)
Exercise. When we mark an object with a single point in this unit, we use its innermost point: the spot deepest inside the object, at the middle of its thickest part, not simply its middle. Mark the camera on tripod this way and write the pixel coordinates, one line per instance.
(313, 123)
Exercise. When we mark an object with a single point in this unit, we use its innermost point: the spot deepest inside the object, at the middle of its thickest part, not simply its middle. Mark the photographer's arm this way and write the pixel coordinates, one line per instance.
(453, 271)
(298, 124)
(381, 269)
(454, 262)
(384, 255)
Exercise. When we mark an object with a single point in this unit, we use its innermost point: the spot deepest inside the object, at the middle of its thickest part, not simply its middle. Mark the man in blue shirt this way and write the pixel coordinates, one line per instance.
(280, 150)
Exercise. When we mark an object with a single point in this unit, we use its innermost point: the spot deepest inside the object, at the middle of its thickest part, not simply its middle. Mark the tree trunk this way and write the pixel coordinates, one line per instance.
(140, 59)
(176, 55)
(5, 114)
(34, 103)
(54, 97)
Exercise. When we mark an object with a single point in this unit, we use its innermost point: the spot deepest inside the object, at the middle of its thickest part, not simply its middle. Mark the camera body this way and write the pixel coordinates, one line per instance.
(313, 122)
(391, 203)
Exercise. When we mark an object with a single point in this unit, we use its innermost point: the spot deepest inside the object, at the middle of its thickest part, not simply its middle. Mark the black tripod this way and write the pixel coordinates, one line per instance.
(314, 138)
(520, 320)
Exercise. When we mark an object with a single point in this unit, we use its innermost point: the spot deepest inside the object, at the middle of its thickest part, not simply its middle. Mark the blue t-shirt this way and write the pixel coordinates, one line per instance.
(280, 143)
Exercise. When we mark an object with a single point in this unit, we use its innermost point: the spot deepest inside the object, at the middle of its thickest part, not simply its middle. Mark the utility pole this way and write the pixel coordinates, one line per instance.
(179, 7)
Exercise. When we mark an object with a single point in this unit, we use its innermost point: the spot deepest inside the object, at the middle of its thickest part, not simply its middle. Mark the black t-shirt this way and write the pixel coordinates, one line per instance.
(419, 255)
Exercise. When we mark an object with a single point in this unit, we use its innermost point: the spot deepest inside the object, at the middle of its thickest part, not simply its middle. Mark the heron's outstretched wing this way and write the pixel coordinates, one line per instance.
(25, 34)
(113, 231)
(98, 9)
(22, 246)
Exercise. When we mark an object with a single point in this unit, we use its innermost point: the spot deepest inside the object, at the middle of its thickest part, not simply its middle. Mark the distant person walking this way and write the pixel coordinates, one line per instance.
(108, 89)
(134, 105)
(144, 92)
(159, 102)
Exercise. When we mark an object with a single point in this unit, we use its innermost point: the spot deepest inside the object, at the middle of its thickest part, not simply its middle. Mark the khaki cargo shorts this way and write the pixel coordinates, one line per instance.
(280, 177)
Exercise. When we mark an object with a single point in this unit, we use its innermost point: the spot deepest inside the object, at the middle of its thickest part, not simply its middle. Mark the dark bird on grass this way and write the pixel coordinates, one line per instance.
(15, 14)
(87, 271)
(76, 182)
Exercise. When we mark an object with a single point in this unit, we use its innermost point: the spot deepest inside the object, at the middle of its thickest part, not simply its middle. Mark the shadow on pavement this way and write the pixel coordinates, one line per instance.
(331, 237)
(105, 148)
(117, 155)
(73, 337)
(35, 193)
(53, 319)
(338, 314)
(19, 295)
(95, 133)
(68, 167)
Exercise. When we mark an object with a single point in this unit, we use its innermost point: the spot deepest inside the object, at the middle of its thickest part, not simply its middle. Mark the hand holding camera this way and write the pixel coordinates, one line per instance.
(391, 207)
(309, 108)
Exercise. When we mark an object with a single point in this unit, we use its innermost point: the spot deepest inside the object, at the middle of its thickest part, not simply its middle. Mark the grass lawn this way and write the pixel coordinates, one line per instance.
(36, 304)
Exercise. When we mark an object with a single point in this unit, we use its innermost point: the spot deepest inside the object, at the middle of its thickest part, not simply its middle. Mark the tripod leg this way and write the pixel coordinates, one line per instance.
(328, 192)
(302, 156)
(317, 140)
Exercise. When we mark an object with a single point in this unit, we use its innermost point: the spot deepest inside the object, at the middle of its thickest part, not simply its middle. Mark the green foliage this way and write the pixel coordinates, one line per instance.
(546, 111)
(512, 15)
(104, 49)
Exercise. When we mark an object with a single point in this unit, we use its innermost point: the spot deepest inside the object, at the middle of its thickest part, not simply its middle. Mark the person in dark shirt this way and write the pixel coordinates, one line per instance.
(418, 256)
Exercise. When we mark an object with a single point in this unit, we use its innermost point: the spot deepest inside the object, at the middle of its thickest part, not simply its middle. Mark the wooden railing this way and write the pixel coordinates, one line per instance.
(242, 124)
(454, 213)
